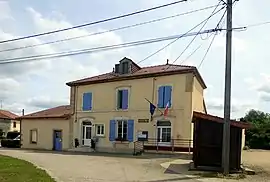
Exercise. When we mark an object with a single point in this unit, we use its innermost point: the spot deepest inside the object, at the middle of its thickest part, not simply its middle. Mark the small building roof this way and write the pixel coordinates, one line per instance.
(141, 72)
(56, 112)
(7, 115)
(199, 115)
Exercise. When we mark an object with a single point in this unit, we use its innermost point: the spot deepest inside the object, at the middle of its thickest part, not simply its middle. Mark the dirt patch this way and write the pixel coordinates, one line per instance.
(259, 161)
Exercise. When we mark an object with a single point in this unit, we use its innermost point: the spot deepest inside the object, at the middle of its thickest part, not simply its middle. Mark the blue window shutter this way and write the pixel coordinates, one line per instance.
(168, 95)
(90, 100)
(124, 99)
(130, 130)
(161, 97)
(87, 101)
(112, 130)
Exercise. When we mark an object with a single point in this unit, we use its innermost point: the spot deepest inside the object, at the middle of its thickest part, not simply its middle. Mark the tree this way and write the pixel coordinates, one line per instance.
(258, 136)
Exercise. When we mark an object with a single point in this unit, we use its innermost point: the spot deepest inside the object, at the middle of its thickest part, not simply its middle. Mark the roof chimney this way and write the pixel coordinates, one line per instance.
(167, 61)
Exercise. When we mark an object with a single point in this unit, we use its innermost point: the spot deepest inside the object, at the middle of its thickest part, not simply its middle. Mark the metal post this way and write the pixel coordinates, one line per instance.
(227, 98)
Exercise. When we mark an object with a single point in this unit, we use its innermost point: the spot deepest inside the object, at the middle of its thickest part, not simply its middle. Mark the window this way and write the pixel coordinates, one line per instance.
(100, 129)
(122, 129)
(14, 124)
(164, 96)
(87, 101)
(125, 68)
(33, 136)
(122, 99)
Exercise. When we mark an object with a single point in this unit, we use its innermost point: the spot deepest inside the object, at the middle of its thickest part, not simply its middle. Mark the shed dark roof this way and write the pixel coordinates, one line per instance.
(56, 112)
(141, 72)
(199, 115)
(7, 115)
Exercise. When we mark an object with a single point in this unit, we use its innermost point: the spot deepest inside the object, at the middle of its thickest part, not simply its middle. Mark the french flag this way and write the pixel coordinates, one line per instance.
(166, 109)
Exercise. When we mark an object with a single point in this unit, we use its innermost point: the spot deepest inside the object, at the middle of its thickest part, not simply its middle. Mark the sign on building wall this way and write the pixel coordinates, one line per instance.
(142, 135)
(143, 120)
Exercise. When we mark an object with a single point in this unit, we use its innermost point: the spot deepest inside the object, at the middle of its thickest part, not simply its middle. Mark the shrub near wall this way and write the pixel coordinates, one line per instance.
(10, 143)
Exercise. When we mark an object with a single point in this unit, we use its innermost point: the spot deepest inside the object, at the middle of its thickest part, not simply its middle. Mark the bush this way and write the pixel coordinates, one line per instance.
(10, 143)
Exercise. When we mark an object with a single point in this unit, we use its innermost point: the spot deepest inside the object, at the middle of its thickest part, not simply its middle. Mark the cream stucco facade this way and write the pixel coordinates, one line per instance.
(39, 133)
(7, 125)
(186, 97)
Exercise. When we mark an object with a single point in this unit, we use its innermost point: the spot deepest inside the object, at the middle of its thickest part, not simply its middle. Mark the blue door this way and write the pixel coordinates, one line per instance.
(57, 140)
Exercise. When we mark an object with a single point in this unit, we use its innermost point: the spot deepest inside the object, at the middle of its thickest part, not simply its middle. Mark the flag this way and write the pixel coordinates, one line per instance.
(166, 109)
(152, 107)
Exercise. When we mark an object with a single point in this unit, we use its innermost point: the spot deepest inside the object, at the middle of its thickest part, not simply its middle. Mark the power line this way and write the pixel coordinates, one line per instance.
(207, 50)
(212, 13)
(107, 31)
(93, 23)
(180, 36)
(210, 45)
(193, 52)
(99, 49)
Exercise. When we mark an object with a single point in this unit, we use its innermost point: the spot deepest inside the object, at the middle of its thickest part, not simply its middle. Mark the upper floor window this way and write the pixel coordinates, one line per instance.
(164, 96)
(87, 101)
(125, 67)
(122, 99)
(14, 124)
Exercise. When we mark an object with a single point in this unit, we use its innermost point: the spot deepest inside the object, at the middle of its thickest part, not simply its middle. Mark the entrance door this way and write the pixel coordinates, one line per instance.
(164, 135)
(57, 142)
(87, 135)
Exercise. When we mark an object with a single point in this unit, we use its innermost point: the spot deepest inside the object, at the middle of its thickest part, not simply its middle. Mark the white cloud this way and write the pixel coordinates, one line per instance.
(46, 102)
(236, 105)
(261, 85)
(53, 73)
(239, 45)
(5, 12)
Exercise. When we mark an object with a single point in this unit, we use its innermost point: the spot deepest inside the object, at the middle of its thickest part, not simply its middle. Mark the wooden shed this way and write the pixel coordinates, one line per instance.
(207, 142)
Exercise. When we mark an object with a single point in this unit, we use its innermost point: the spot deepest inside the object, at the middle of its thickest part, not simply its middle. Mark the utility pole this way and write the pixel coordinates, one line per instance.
(227, 94)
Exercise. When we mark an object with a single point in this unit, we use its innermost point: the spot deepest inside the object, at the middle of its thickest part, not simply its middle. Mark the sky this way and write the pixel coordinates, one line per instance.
(41, 84)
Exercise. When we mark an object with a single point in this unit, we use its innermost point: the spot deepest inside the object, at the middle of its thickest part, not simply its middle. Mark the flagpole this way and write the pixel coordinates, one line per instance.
(153, 104)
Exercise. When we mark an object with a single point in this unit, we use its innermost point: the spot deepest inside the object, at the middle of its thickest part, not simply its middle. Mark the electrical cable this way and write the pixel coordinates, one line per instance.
(194, 37)
(98, 49)
(210, 45)
(93, 23)
(107, 31)
(180, 36)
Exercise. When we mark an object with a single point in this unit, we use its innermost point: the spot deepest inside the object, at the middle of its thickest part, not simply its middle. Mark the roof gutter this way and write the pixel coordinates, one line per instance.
(132, 77)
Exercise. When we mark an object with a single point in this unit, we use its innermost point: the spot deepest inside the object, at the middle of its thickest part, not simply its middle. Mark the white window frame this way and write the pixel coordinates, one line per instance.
(116, 97)
(96, 128)
(117, 122)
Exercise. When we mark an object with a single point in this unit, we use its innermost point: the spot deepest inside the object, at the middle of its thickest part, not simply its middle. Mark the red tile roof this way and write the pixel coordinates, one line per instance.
(199, 115)
(144, 72)
(7, 115)
(56, 112)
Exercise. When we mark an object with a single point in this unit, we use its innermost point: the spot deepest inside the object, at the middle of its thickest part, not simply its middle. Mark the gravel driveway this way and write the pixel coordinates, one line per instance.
(70, 167)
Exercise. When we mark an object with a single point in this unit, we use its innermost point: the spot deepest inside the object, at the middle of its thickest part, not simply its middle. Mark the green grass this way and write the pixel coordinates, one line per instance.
(16, 170)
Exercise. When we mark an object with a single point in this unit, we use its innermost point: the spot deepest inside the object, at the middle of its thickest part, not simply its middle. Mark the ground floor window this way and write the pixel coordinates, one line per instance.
(33, 136)
(100, 129)
(86, 133)
(164, 131)
(122, 129)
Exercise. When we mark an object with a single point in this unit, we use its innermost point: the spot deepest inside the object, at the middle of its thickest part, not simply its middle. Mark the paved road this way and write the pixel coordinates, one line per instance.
(68, 167)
